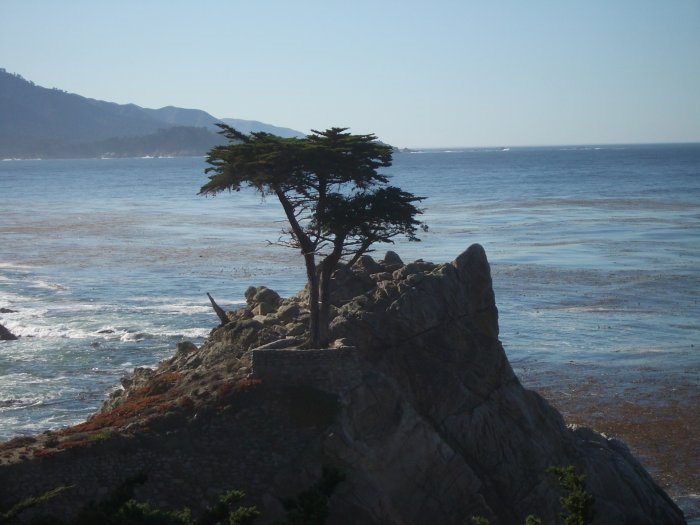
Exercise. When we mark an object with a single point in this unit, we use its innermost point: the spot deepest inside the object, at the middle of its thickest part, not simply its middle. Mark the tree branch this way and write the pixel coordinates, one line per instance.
(219, 311)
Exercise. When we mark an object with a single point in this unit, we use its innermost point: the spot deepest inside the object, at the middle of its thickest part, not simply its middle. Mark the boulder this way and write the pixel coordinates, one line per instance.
(392, 259)
(288, 312)
(367, 265)
(6, 335)
(262, 294)
(184, 348)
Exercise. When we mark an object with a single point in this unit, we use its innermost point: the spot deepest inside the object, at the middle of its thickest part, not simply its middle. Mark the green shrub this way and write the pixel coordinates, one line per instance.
(227, 511)
(121, 509)
(576, 503)
(33, 501)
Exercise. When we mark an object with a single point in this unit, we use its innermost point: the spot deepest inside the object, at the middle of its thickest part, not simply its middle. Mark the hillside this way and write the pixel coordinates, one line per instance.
(51, 123)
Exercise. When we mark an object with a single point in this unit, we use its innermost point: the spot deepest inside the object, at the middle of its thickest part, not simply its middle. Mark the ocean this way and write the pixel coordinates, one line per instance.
(595, 254)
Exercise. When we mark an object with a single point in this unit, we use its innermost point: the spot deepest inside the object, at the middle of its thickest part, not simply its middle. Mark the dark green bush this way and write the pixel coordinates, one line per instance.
(121, 509)
(576, 503)
(33, 501)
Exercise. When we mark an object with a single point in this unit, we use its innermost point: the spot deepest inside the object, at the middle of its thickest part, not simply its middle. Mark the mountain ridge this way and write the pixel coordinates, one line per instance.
(51, 123)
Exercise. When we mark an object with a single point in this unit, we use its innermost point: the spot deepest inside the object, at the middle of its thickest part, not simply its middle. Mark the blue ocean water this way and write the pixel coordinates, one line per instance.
(105, 264)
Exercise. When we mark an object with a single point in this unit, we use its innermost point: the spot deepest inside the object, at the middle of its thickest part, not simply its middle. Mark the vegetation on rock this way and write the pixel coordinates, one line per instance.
(309, 507)
(576, 503)
(11, 515)
(120, 508)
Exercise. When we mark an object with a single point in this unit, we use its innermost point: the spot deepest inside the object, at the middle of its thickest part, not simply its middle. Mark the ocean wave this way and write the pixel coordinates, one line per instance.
(181, 308)
(47, 285)
(177, 305)
(107, 333)
(24, 328)
(23, 390)
(190, 333)
(134, 336)
(14, 266)
(7, 405)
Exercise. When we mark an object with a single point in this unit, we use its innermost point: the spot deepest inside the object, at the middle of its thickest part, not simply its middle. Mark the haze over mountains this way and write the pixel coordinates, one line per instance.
(36, 122)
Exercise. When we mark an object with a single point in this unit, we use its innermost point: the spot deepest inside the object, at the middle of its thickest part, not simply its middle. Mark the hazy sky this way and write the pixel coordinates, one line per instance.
(418, 74)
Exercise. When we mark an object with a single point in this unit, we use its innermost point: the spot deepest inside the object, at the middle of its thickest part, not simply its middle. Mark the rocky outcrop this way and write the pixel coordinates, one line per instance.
(6, 335)
(416, 402)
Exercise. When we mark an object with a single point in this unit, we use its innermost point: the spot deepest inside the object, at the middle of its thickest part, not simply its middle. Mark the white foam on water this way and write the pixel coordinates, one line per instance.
(14, 266)
(27, 329)
(192, 333)
(42, 324)
(187, 333)
(19, 403)
(22, 390)
(84, 307)
(177, 306)
(169, 308)
(47, 285)
(134, 336)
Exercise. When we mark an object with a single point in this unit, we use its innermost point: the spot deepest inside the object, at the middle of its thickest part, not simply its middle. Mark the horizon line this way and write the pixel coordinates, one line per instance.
(562, 145)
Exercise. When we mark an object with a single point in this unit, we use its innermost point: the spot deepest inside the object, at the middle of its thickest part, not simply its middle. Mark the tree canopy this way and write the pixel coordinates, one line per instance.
(335, 200)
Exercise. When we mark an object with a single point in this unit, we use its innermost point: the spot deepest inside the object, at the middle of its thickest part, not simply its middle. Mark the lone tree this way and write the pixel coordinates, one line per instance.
(336, 202)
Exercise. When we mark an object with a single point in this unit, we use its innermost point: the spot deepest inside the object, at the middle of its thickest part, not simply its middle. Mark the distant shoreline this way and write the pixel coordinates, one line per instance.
(397, 151)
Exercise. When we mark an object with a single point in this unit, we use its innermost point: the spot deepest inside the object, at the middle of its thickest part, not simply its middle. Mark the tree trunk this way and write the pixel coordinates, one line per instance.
(325, 307)
(312, 278)
(308, 250)
(328, 266)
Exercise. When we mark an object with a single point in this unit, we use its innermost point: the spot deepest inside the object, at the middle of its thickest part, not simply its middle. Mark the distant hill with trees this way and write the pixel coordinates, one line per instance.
(37, 122)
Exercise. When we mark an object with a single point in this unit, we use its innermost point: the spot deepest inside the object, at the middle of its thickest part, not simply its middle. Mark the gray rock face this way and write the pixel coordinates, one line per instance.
(435, 426)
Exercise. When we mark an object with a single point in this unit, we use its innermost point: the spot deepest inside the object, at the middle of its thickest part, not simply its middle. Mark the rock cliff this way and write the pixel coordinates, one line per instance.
(416, 402)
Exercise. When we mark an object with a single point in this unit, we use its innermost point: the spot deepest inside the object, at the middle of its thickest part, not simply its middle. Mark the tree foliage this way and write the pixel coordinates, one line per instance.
(577, 504)
(336, 202)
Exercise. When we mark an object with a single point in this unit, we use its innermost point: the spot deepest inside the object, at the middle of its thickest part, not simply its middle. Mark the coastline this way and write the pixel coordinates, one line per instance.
(654, 419)
(654, 415)
(551, 296)
(442, 407)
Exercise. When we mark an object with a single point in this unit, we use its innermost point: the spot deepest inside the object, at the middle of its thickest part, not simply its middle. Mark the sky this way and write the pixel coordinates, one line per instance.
(435, 73)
